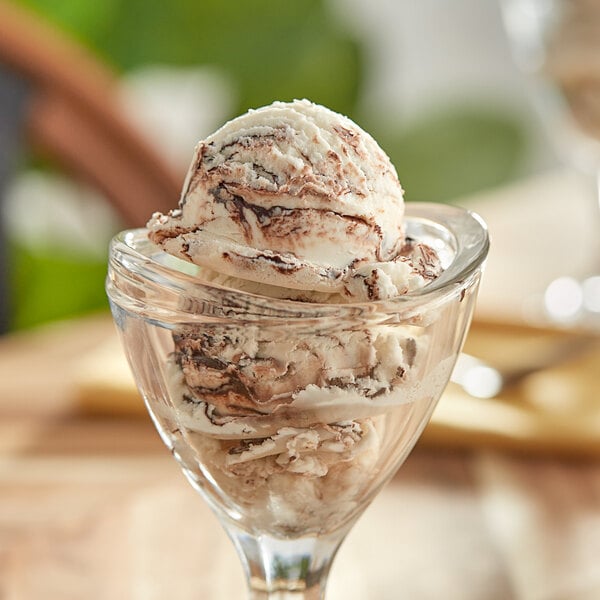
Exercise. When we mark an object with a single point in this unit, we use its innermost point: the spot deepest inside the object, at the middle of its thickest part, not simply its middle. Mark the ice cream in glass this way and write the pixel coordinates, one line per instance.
(291, 325)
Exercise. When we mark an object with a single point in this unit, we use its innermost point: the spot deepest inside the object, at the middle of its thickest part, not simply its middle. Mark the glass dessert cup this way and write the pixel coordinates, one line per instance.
(288, 417)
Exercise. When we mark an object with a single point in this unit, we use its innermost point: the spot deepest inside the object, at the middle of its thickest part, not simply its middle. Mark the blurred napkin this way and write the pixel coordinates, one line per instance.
(541, 228)
(104, 384)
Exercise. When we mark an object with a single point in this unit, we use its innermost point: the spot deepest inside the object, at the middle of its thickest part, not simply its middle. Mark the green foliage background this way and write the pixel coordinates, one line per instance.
(271, 50)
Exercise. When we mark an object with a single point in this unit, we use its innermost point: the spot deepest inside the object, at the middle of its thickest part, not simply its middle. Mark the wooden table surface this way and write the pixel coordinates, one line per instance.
(95, 508)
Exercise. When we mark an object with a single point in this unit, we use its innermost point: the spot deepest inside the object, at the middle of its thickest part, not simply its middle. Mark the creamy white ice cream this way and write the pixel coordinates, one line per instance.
(297, 196)
(297, 202)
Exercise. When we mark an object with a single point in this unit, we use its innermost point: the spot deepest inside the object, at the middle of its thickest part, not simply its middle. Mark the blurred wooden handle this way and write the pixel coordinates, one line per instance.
(75, 118)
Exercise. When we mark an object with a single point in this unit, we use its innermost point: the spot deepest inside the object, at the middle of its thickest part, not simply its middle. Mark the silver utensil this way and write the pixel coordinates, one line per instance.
(482, 379)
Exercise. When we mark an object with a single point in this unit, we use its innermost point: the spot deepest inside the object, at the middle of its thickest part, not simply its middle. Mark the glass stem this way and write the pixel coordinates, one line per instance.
(286, 569)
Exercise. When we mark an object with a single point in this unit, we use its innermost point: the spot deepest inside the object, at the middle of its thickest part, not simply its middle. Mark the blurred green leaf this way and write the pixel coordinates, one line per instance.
(51, 285)
(81, 20)
(455, 152)
(271, 49)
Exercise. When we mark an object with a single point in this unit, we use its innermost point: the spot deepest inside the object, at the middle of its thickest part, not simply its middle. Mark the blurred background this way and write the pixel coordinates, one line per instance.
(434, 82)
(492, 105)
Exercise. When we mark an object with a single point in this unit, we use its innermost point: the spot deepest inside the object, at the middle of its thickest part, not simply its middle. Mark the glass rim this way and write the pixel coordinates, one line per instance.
(131, 269)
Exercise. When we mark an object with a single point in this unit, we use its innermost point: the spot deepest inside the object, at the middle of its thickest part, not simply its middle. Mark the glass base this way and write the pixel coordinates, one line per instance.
(286, 569)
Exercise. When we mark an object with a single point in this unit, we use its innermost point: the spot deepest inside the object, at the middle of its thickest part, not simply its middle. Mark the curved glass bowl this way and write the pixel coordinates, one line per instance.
(287, 416)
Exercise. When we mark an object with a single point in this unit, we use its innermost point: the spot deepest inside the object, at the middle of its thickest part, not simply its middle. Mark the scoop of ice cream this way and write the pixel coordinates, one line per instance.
(415, 265)
(254, 370)
(299, 480)
(291, 195)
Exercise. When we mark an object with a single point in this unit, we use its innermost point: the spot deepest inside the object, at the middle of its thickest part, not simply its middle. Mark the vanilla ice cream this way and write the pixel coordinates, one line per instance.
(299, 197)
(294, 201)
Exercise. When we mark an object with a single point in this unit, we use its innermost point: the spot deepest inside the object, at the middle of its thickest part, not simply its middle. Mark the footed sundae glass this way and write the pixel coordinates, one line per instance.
(288, 417)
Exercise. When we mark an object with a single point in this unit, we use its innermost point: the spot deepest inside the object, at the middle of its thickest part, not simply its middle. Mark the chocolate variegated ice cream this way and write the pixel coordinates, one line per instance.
(296, 196)
(294, 201)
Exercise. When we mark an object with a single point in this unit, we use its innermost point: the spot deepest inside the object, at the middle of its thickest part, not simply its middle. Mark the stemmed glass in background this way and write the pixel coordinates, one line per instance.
(557, 44)
(219, 368)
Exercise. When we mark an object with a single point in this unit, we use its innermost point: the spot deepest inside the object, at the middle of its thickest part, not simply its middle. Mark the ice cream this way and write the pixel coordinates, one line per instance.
(297, 202)
(296, 196)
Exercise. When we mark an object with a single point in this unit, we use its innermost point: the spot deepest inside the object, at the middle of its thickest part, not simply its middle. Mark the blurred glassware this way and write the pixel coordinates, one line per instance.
(557, 44)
